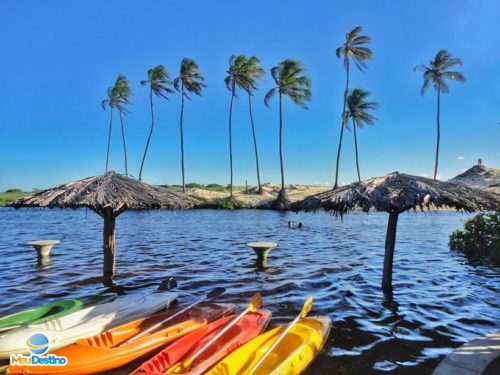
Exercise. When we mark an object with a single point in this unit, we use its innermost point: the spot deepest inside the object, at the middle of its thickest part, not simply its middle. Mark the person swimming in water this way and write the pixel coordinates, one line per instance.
(299, 225)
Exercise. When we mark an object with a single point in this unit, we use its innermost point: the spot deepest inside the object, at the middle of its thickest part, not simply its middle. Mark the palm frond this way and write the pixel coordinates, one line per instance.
(355, 48)
(190, 78)
(358, 108)
(437, 72)
(269, 96)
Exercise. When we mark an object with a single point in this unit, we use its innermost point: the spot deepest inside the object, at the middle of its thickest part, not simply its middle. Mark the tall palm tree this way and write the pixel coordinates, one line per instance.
(109, 102)
(354, 48)
(159, 85)
(246, 79)
(189, 80)
(436, 74)
(236, 65)
(121, 94)
(358, 110)
(290, 81)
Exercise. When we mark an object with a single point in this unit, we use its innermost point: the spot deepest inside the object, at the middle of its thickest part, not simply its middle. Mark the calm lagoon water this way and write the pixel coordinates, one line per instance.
(440, 300)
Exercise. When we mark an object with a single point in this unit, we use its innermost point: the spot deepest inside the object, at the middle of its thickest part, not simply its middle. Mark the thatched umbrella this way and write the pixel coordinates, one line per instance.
(107, 195)
(396, 193)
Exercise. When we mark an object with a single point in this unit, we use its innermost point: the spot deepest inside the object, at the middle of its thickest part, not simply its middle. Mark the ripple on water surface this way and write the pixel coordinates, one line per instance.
(439, 299)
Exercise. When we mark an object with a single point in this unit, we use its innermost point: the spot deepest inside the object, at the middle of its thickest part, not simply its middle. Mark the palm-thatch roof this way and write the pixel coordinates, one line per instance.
(111, 190)
(398, 192)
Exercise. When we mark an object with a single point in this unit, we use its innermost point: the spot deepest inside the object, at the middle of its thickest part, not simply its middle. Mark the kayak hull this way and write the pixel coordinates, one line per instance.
(290, 357)
(53, 310)
(85, 323)
(108, 350)
(173, 359)
(65, 306)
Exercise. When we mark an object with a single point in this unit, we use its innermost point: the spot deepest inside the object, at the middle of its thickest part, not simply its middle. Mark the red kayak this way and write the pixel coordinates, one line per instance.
(174, 358)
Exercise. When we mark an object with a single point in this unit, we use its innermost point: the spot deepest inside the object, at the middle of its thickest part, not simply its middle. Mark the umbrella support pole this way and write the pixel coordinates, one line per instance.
(109, 244)
(390, 242)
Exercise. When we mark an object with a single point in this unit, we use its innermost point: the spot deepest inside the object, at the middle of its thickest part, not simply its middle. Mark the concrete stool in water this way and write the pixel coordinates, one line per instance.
(43, 247)
(262, 249)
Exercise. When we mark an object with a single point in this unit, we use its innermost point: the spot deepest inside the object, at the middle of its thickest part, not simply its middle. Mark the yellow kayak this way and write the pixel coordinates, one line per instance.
(291, 356)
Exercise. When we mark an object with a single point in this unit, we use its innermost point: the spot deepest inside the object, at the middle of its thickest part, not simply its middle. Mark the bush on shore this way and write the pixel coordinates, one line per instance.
(480, 238)
(222, 204)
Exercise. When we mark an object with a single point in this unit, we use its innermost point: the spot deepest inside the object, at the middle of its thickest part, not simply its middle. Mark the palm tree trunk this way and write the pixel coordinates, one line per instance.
(356, 148)
(231, 143)
(390, 243)
(342, 127)
(109, 137)
(438, 133)
(182, 140)
(254, 143)
(150, 133)
(281, 150)
(124, 144)
(109, 243)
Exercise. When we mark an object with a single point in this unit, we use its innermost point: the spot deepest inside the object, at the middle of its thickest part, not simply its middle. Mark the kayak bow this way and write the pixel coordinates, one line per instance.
(105, 351)
(291, 356)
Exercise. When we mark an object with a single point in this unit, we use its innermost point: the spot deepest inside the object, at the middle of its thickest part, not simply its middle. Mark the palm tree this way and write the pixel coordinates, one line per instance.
(246, 79)
(110, 102)
(290, 81)
(121, 93)
(159, 84)
(354, 48)
(190, 80)
(236, 65)
(436, 74)
(358, 110)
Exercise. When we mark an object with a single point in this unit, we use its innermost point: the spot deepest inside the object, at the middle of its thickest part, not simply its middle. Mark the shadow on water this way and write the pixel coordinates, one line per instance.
(439, 300)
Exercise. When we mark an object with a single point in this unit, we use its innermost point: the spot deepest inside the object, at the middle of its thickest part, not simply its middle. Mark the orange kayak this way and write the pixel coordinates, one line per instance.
(104, 352)
(176, 358)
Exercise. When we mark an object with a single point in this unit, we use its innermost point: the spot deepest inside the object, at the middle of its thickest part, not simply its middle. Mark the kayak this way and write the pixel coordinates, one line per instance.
(173, 359)
(87, 322)
(291, 356)
(52, 310)
(110, 349)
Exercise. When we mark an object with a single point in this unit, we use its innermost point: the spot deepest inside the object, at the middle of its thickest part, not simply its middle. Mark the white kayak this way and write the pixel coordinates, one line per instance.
(85, 323)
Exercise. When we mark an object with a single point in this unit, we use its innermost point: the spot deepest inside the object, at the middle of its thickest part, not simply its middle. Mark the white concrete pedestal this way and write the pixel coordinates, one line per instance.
(43, 247)
(262, 249)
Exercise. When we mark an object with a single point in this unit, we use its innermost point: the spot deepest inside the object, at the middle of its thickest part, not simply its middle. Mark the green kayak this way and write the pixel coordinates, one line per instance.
(52, 310)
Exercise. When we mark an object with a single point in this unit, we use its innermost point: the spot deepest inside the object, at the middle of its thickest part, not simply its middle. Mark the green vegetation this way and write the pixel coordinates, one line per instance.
(290, 81)
(244, 73)
(194, 185)
(354, 48)
(9, 196)
(480, 238)
(358, 110)
(227, 203)
(159, 85)
(190, 81)
(118, 98)
(436, 74)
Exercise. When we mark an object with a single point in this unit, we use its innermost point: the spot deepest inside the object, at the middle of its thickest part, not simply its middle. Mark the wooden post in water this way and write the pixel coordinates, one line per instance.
(390, 242)
(109, 243)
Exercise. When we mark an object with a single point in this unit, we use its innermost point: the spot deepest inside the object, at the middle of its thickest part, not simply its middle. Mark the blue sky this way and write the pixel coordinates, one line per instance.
(58, 58)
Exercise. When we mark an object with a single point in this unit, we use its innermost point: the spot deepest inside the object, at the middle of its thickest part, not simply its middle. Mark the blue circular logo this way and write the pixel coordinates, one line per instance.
(38, 343)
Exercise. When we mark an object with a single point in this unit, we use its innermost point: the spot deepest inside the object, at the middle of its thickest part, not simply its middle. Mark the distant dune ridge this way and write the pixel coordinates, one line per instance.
(480, 176)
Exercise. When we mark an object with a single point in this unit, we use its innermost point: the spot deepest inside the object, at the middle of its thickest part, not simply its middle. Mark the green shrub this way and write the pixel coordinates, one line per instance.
(10, 196)
(194, 185)
(174, 188)
(480, 238)
(14, 191)
(215, 187)
(222, 204)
